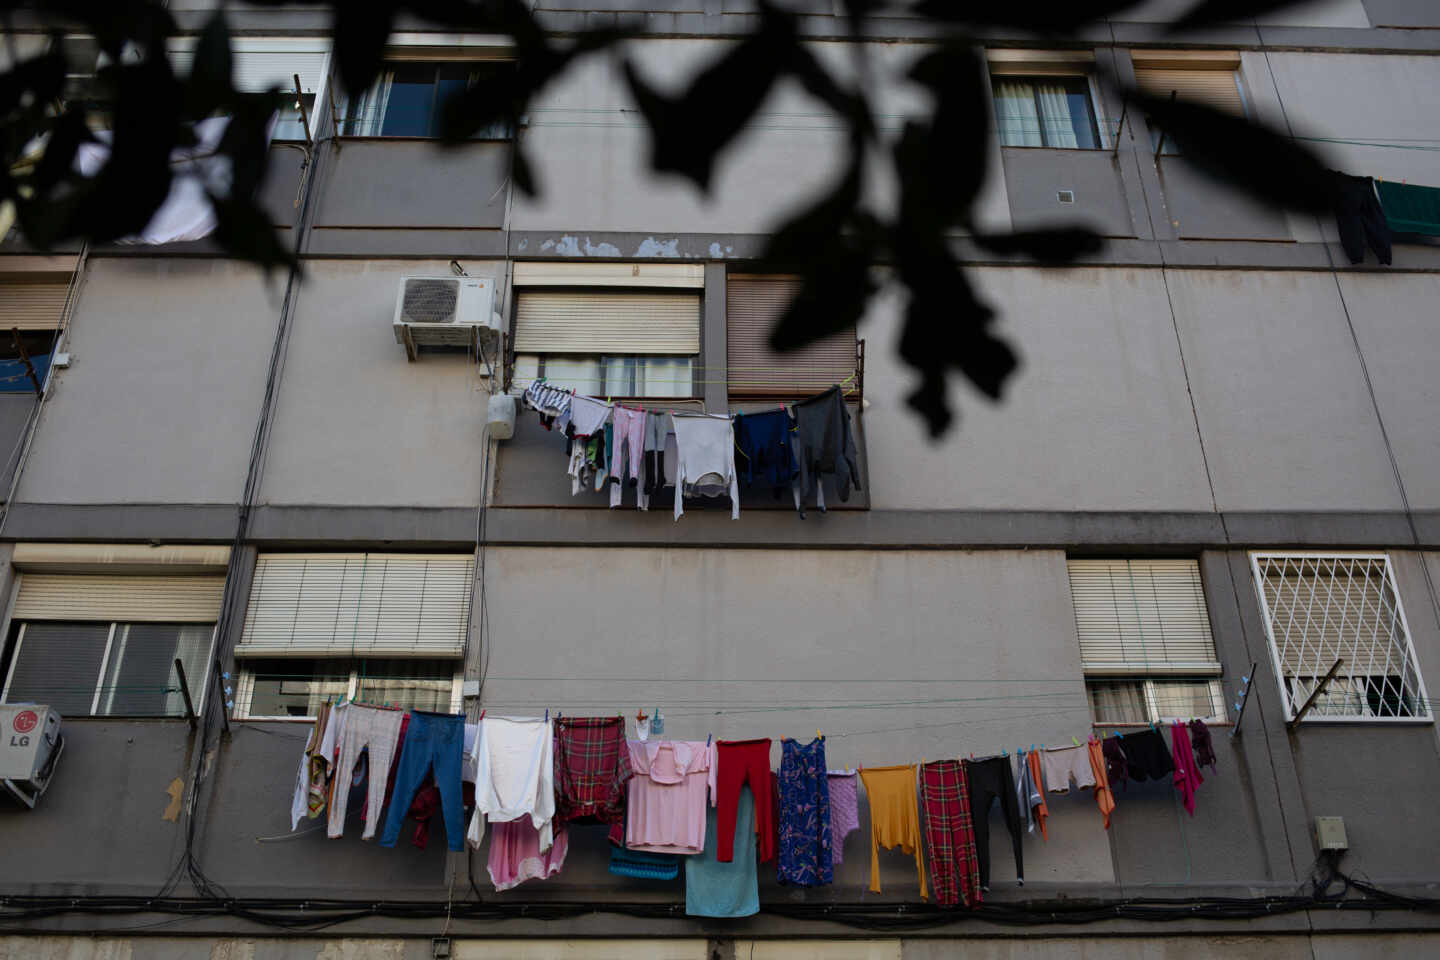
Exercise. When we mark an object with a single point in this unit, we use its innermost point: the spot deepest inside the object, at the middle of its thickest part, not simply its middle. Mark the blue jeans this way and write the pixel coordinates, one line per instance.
(432, 741)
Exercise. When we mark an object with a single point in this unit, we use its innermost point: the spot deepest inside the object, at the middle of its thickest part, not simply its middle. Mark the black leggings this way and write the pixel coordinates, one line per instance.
(990, 780)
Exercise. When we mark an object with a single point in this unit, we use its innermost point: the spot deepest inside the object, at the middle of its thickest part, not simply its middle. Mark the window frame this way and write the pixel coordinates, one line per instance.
(197, 694)
(1028, 71)
(245, 687)
(1291, 704)
(1149, 680)
(346, 124)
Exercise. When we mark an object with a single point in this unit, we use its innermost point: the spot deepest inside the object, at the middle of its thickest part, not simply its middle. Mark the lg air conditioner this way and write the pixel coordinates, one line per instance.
(447, 312)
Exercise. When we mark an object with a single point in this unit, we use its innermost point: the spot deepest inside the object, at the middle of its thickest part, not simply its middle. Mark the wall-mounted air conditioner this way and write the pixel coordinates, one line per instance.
(447, 312)
(30, 746)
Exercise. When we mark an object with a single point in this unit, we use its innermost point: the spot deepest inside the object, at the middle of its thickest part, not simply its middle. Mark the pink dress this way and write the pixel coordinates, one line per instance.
(1187, 771)
(515, 853)
(667, 795)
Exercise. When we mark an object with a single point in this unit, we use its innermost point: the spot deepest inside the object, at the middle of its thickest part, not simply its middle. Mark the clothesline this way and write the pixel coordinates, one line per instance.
(717, 805)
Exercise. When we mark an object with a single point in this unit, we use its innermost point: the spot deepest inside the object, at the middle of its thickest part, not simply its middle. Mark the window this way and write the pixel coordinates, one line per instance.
(752, 306)
(1212, 82)
(408, 99)
(611, 330)
(106, 644)
(281, 687)
(1045, 112)
(36, 308)
(264, 63)
(1319, 608)
(1145, 641)
(380, 627)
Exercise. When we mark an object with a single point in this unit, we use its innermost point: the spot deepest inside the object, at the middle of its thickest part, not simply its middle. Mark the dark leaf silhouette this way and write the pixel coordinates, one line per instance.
(834, 244)
(208, 87)
(362, 28)
(1210, 12)
(689, 132)
(1041, 16)
(244, 229)
(1053, 247)
(1269, 166)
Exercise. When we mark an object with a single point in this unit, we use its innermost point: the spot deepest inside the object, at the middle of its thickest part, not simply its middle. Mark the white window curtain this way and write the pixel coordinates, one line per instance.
(365, 114)
(1059, 126)
(1015, 114)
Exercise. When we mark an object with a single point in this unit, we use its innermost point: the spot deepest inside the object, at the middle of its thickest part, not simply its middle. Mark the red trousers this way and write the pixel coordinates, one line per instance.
(741, 761)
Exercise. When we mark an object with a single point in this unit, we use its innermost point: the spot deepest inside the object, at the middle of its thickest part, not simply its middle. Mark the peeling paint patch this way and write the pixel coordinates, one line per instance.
(651, 247)
(524, 244)
(715, 251)
(601, 249)
(547, 245)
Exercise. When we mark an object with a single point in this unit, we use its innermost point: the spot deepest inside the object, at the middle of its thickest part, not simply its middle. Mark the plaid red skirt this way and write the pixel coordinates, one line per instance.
(591, 768)
(949, 834)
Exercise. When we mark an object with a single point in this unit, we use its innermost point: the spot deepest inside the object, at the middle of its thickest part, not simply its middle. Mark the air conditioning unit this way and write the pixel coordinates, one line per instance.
(447, 312)
(30, 747)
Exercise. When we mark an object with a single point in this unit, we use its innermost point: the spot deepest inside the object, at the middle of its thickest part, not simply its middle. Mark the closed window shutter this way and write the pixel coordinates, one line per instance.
(130, 599)
(1212, 87)
(32, 305)
(361, 604)
(1137, 617)
(752, 306)
(607, 322)
(258, 70)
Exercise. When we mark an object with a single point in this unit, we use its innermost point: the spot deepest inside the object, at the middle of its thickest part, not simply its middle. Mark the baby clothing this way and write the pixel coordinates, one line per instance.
(706, 467)
(894, 821)
(587, 415)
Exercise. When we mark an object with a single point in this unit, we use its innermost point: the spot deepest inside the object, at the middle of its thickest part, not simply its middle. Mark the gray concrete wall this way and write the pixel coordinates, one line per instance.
(356, 423)
(1035, 175)
(168, 362)
(1402, 13)
(413, 183)
(15, 410)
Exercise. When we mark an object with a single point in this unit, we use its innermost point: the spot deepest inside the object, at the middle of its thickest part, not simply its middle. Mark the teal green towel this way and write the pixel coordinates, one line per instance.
(644, 865)
(1410, 208)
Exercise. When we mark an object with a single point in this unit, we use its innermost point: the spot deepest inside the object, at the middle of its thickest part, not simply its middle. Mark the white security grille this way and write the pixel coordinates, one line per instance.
(1322, 607)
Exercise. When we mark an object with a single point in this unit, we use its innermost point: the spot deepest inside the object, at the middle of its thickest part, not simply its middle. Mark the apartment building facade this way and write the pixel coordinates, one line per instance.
(1220, 423)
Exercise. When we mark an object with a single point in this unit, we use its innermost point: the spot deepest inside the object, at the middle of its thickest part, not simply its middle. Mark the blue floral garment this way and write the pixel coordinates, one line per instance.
(805, 858)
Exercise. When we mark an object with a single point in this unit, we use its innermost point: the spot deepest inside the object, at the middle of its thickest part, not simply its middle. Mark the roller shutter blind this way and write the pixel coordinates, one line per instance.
(258, 70)
(1214, 87)
(752, 305)
(367, 604)
(607, 322)
(31, 305)
(1138, 617)
(128, 599)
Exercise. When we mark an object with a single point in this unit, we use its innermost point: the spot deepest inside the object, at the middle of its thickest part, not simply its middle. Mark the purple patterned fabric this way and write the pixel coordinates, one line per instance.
(844, 812)
(804, 815)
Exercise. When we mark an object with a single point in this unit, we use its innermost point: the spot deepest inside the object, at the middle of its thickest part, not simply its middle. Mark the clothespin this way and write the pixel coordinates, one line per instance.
(1074, 741)
(1032, 748)
(481, 717)
(547, 714)
(708, 736)
(818, 734)
(640, 715)
(1119, 734)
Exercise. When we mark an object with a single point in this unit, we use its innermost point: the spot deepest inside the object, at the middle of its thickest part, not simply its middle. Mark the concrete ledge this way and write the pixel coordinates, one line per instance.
(309, 526)
(404, 242)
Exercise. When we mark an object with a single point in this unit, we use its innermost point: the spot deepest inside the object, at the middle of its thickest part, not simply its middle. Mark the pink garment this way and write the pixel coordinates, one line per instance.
(628, 446)
(1187, 771)
(844, 812)
(515, 853)
(666, 808)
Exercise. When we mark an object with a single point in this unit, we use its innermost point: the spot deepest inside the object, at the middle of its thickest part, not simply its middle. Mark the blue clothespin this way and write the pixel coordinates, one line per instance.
(547, 714)
(707, 738)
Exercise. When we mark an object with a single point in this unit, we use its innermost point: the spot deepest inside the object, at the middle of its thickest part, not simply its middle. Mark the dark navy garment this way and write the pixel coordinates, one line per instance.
(765, 452)
(434, 743)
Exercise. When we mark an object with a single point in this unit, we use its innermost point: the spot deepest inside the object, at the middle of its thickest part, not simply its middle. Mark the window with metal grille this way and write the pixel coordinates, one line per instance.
(1145, 642)
(1323, 608)
(753, 304)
